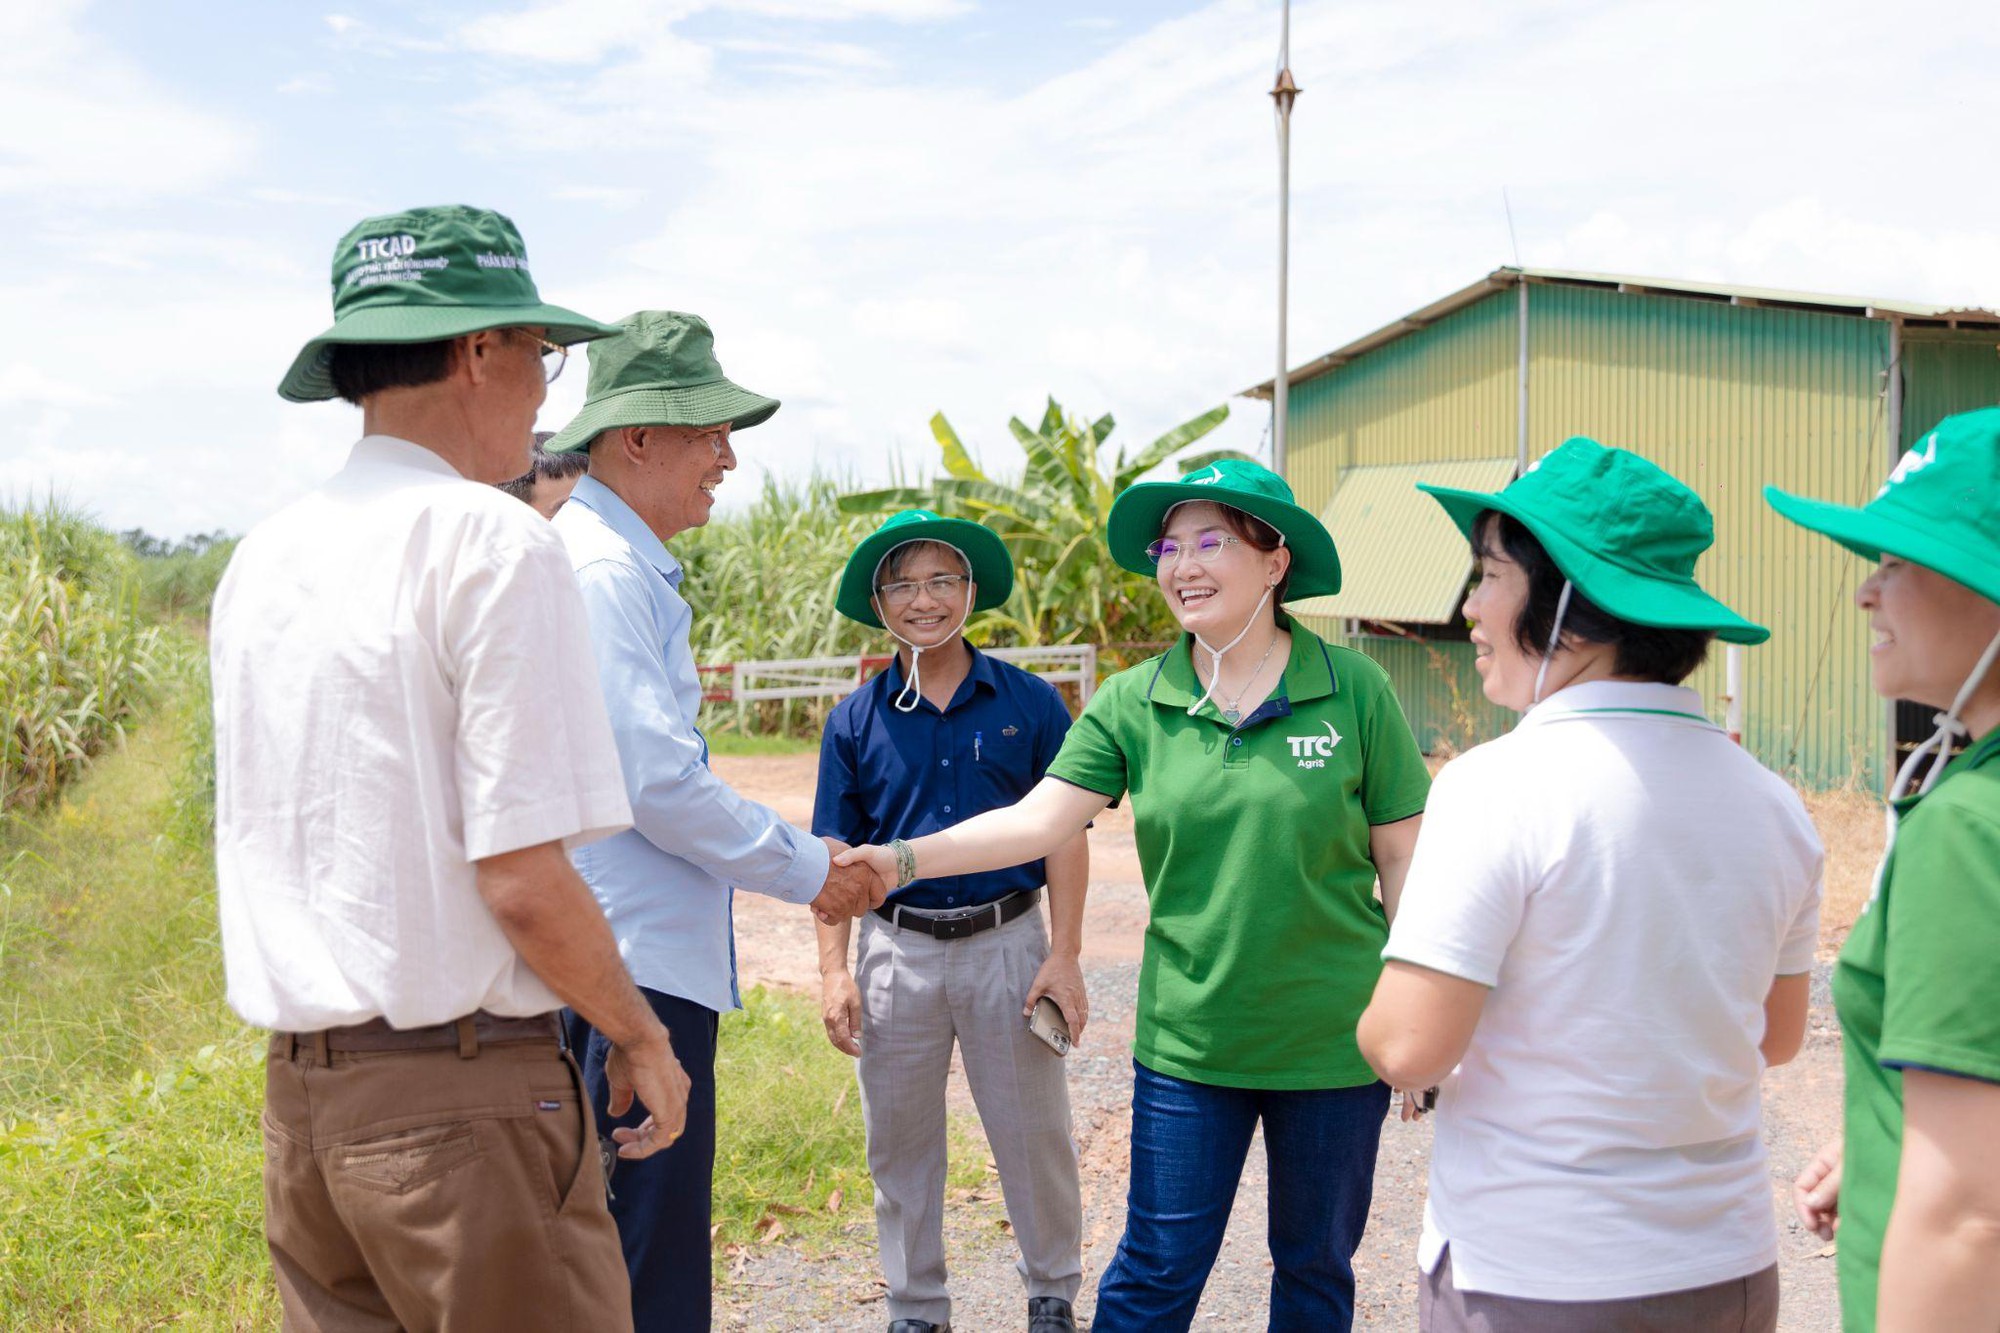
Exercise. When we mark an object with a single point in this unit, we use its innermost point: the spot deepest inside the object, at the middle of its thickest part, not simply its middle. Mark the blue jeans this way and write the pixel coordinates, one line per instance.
(1188, 1145)
(661, 1203)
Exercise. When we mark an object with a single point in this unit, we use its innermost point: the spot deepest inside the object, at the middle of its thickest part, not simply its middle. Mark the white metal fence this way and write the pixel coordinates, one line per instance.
(833, 677)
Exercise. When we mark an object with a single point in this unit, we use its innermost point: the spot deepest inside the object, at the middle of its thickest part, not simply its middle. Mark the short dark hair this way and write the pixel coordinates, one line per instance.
(360, 370)
(1643, 652)
(545, 466)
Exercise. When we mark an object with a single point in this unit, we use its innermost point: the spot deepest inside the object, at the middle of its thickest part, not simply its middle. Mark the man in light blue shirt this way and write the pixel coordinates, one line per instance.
(657, 423)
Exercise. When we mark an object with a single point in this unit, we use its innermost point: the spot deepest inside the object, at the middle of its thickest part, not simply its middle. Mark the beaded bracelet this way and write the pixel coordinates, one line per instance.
(906, 862)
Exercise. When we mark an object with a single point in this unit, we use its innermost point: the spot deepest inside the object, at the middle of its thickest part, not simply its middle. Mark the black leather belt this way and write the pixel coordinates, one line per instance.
(958, 925)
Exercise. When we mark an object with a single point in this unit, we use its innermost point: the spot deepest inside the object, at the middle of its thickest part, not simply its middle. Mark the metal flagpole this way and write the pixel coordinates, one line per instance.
(1284, 93)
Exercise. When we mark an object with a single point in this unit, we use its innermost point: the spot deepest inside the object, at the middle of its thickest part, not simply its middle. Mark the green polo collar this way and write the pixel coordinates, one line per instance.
(1979, 753)
(1308, 674)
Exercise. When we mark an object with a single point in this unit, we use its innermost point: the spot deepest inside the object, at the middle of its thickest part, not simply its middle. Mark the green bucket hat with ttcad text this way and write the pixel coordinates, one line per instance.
(660, 370)
(1140, 510)
(1940, 508)
(1623, 530)
(426, 275)
(992, 567)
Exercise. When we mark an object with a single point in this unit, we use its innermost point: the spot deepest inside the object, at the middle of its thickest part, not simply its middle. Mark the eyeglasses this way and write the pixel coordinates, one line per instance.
(1168, 552)
(554, 356)
(943, 588)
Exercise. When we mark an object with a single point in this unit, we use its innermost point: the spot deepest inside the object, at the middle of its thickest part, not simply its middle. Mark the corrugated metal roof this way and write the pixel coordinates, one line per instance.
(1401, 557)
(1502, 278)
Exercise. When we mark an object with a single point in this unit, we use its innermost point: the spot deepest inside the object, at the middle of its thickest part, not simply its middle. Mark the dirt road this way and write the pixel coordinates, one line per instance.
(779, 1290)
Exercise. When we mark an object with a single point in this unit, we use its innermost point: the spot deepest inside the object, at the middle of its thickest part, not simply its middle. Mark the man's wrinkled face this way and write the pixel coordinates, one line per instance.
(692, 464)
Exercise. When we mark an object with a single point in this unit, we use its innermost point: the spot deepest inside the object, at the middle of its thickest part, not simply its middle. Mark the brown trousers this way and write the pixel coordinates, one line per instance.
(424, 1190)
(1741, 1305)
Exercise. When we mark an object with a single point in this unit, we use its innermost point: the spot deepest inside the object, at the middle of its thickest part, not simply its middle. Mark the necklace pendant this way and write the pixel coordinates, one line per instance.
(1232, 715)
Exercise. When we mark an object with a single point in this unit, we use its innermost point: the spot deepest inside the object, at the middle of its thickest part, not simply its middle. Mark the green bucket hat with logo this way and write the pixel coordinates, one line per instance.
(1139, 511)
(1940, 508)
(426, 275)
(1624, 531)
(659, 371)
(992, 567)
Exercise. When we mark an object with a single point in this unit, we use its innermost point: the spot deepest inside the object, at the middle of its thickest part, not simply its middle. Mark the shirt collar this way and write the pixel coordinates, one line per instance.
(621, 518)
(982, 673)
(1592, 697)
(393, 451)
(1979, 753)
(1309, 672)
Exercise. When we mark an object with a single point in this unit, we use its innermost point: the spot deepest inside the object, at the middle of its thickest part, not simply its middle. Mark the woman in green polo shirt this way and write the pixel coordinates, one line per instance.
(1917, 987)
(1273, 778)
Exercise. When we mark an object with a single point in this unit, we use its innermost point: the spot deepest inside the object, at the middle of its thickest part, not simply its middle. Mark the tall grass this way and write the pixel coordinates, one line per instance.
(177, 579)
(77, 657)
(762, 583)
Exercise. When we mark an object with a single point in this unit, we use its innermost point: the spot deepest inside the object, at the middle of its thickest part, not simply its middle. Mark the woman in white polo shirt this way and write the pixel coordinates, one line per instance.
(1605, 936)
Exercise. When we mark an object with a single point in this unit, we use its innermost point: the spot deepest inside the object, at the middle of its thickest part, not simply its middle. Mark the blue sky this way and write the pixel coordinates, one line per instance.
(887, 207)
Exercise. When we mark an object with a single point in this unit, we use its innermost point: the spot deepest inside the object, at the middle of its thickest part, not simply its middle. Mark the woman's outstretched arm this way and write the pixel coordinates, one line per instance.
(1028, 830)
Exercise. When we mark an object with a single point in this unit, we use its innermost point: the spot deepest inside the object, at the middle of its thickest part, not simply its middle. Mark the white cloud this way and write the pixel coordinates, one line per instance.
(85, 121)
(883, 240)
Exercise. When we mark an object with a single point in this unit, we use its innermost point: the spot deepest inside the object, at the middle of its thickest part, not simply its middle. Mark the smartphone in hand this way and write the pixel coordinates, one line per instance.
(1047, 1023)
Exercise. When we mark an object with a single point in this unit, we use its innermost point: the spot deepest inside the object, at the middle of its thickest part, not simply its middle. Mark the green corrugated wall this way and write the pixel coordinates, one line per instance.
(1727, 398)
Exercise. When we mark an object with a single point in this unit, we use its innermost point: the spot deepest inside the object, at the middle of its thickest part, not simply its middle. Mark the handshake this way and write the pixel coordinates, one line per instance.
(849, 890)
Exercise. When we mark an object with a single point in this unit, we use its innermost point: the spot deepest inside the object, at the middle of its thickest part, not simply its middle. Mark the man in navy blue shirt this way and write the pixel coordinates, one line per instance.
(944, 734)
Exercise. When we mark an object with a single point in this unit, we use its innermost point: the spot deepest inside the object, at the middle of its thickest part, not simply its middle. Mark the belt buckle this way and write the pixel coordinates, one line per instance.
(953, 927)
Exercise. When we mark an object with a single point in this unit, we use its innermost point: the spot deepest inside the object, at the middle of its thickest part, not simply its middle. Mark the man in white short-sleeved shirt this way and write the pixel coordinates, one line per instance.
(408, 731)
(1588, 1168)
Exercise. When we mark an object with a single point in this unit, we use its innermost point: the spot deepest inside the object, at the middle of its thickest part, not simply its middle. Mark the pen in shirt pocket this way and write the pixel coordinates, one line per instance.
(977, 737)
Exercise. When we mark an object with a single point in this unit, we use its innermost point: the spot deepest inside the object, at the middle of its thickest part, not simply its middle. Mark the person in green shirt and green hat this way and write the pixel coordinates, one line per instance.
(1916, 1193)
(1273, 779)
(1606, 936)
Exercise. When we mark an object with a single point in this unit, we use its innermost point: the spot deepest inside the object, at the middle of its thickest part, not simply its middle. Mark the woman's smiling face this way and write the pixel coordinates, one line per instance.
(1212, 594)
(1494, 606)
(1929, 633)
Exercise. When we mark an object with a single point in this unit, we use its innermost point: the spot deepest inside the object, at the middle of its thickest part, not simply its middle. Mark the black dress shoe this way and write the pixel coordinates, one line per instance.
(1050, 1314)
(921, 1326)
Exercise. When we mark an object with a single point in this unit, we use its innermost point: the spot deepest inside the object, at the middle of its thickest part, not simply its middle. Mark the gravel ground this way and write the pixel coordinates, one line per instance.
(776, 1289)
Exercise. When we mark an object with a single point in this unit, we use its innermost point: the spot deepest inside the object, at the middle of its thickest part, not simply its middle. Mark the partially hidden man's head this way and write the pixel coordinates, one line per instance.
(550, 478)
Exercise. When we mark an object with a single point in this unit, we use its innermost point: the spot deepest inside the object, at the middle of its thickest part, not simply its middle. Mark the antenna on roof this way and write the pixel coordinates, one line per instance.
(1284, 92)
(1512, 239)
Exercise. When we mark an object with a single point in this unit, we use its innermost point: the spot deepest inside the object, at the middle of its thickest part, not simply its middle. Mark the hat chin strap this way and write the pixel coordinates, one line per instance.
(1215, 654)
(1555, 637)
(1949, 726)
(912, 693)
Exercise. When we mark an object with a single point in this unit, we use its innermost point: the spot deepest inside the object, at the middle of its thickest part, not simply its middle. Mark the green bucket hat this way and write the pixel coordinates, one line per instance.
(1138, 512)
(1624, 531)
(1940, 508)
(426, 275)
(992, 567)
(659, 371)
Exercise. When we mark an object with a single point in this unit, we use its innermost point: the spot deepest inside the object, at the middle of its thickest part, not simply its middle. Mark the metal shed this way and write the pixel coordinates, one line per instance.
(1726, 387)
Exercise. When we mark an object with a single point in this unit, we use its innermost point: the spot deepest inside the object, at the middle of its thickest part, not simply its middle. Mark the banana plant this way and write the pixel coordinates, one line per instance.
(1066, 588)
